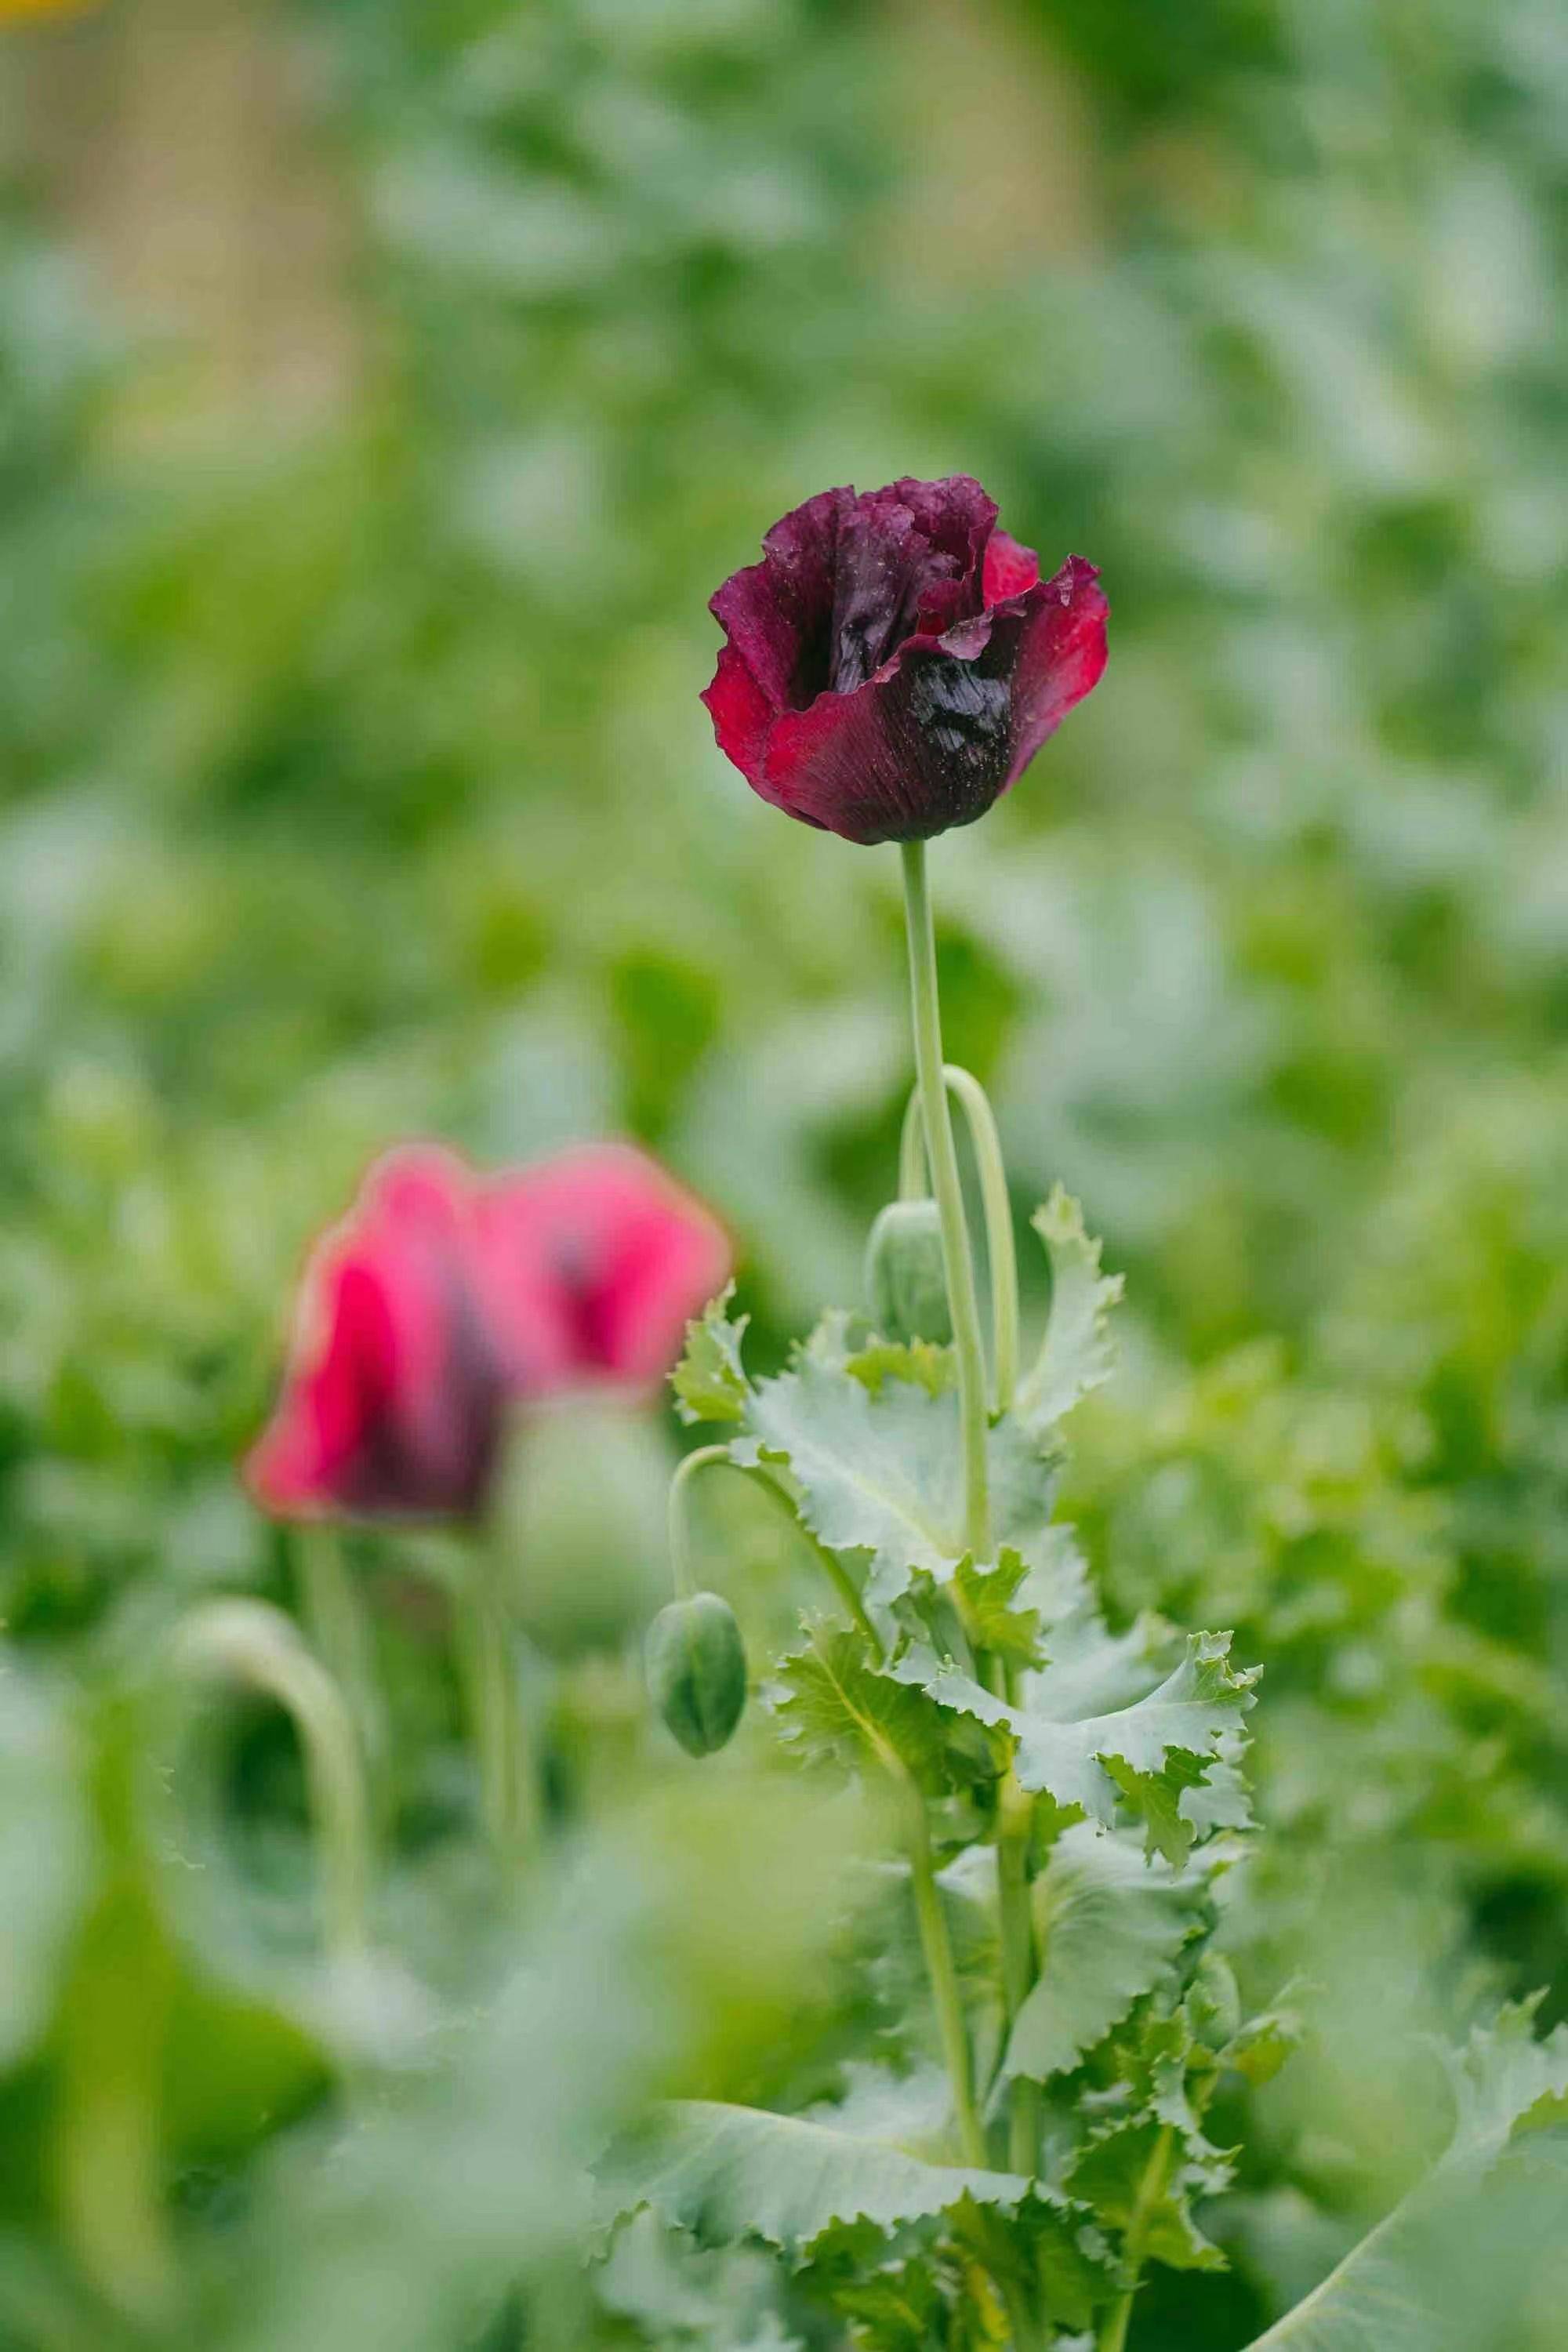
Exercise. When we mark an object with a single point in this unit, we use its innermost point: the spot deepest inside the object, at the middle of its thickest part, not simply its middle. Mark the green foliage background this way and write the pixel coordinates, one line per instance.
(354, 785)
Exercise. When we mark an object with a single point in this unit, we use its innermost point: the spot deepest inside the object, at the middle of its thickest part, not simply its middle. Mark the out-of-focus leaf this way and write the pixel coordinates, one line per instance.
(709, 1382)
(1458, 2263)
(729, 2172)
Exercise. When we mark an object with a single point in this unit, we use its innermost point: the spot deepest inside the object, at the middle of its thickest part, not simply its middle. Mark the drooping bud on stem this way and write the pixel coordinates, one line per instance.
(906, 1277)
(696, 1666)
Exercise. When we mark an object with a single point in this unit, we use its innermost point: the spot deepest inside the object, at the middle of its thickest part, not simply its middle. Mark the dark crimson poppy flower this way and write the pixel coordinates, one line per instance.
(444, 1300)
(895, 661)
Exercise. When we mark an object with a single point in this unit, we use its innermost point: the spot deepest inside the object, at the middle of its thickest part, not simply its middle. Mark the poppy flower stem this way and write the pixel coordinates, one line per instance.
(339, 1633)
(943, 1157)
(489, 1657)
(1001, 1253)
(936, 1948)
(252, 1644)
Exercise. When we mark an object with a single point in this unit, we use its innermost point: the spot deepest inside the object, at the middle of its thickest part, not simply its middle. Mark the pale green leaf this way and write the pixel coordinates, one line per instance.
(879, 1474)
(988, 1604)
(833, 1705)
(1190, 1714)
(1111, 1925)
(1137, 2175)
(709, 1382)
(1076, 1354)
(729, 2173)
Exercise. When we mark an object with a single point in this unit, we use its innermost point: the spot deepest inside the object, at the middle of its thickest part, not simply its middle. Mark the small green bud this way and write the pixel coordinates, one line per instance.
(905, 1283)
(696, 1667)
(1213, 2003)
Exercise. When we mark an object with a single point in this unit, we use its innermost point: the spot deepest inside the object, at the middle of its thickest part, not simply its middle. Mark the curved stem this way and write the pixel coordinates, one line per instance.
(914, 1183)
(506, 1771)
(758, 1473)
(1001, 1251)
(944, 1160)
(679, 1534)
(250, 1642)
(936, 1944)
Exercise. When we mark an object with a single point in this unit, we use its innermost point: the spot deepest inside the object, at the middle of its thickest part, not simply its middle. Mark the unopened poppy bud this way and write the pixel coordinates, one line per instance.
(696, 1667)
(906, 1278)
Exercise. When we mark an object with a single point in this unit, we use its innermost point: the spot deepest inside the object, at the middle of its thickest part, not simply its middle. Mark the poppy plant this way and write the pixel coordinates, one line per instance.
(444, 1299)
(895, 661)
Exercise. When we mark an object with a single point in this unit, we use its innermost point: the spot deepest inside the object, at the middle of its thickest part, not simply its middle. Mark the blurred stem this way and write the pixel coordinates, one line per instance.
(485, 1643)
(943, 1159)
(339, 1633)
(936, 1944)
(1001, 1253)
(706, 1456)
(1019, 1961)
(1151, 2189)
(249, 1642)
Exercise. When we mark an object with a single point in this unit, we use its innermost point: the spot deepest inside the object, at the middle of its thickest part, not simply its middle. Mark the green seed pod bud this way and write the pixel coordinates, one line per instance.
(696, 1667)
(905, 1281)
(1213, 2003)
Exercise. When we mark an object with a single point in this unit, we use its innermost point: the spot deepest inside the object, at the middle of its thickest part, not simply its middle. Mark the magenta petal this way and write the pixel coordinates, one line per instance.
(1060, 656)
(392, 1401)
(1010, 568)
(594, 1263)
(742, 715)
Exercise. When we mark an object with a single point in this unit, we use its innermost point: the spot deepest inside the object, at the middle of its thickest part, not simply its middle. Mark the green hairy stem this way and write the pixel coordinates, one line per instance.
(936, 1079)
(943, 1159)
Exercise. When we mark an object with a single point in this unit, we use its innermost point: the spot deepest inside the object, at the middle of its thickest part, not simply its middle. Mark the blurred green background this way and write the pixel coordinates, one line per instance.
(383, 388)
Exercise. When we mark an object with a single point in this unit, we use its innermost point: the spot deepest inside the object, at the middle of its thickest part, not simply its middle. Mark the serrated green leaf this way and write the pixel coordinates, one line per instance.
(833, 1704)
(921, 1363)
(1137, 2176)
(728, 2173)
(1157, 1798)
(1505, 2080)
(709, 1382)
(1198, 1705)
(988, 1600)
(879, 1474)
(1076, 1354)
(1049, 2250)
(1264, 2042)
(1109, 1928)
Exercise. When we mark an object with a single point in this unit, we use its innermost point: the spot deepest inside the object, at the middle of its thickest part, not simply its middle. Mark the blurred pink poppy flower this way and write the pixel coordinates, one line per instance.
(445, 1299)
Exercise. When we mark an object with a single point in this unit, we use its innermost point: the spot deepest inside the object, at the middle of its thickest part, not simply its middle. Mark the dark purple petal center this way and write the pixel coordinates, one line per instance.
(960, 712)
(885, 572)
